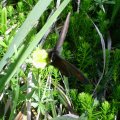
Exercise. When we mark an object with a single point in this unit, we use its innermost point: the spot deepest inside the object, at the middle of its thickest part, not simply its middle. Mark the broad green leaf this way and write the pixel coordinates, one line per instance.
(27, 48)
(29, 23)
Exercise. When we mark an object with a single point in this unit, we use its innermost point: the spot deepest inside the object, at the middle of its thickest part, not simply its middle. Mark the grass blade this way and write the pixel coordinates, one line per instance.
(25, 51)
(29, 23)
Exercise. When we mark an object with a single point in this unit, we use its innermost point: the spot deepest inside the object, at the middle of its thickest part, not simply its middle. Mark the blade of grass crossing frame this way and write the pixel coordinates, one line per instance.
(25, 51)
(31, 20)
(104, 56)
(104, 52)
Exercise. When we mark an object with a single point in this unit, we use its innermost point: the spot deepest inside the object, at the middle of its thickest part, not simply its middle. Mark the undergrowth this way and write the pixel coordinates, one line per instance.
(44, 89)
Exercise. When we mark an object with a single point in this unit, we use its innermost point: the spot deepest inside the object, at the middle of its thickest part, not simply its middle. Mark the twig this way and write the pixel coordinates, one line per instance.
(29, 82)
(78, 7)
(58, 3)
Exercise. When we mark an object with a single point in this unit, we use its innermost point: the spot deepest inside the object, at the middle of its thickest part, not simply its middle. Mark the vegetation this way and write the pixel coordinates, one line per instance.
(31, 88)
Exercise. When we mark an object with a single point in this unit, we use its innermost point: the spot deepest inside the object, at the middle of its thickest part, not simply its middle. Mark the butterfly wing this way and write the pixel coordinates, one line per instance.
(67, 68)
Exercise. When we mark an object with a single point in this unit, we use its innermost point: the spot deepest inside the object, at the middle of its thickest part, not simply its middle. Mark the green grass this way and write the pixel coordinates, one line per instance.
(90, 45)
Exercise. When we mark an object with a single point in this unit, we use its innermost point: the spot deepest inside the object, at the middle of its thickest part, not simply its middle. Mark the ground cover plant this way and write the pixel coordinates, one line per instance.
(32, 88)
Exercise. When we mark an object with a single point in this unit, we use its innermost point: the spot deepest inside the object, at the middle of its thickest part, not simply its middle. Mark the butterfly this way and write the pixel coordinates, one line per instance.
(57, 61)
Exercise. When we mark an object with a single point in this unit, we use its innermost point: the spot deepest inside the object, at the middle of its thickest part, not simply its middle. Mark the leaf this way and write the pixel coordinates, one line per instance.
(67, 117)
(104, 52)
(26, 48)
(4, 20)
(15, 99)
(115, 10)
(29, 23)
(83, 117)
(3, 44)
(104, 55)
